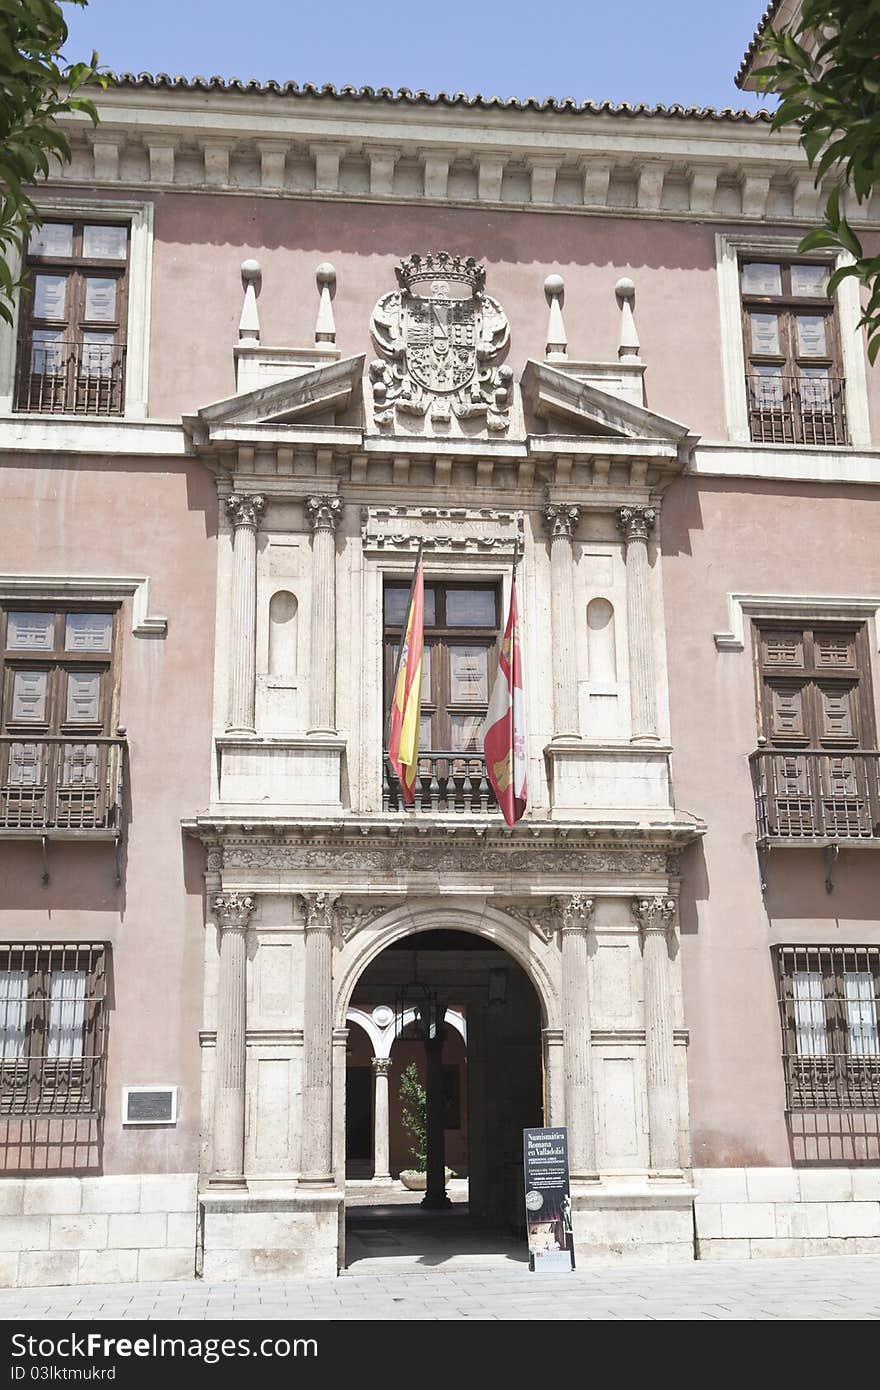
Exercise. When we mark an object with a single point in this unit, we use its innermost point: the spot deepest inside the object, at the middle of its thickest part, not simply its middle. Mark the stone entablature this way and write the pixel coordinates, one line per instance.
(661, 165)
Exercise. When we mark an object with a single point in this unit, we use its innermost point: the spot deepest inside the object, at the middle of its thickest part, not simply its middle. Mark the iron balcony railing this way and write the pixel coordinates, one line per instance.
(55, 782)
(797, 410)
(813, 794)
(447, 781)
(69, 378)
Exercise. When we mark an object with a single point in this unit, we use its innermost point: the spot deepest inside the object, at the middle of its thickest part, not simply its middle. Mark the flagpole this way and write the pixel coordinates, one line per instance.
(400, 644)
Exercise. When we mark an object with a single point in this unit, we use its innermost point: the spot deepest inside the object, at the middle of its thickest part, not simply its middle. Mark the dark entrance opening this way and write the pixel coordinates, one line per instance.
(492, 1089)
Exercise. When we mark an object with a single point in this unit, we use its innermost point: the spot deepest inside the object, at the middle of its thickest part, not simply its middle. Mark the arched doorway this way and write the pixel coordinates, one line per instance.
(493, 1088)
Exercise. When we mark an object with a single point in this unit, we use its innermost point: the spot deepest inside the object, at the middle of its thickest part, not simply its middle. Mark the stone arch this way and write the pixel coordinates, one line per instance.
(539, 961)
(382, 1038)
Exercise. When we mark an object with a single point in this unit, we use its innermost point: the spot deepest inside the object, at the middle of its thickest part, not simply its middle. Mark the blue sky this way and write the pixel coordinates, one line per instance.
(625, 50)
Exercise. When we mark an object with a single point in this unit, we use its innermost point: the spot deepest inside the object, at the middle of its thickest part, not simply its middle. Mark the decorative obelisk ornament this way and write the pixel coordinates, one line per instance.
(441, 337)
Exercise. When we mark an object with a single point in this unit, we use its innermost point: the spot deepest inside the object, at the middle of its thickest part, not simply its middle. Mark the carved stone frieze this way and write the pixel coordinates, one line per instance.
(353, 919)
(324, 513)
(466, 859)
(245, 508)
(636, 523)
(440, 337)
(561, 519)
(232, 911)
(654, 914)
(468, 530)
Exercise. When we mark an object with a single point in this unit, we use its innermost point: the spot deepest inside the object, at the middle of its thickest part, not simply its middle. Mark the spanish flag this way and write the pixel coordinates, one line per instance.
(406, 703)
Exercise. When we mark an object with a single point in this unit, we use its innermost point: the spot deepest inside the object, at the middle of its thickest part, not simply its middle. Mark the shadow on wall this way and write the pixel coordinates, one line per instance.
(828, 1137)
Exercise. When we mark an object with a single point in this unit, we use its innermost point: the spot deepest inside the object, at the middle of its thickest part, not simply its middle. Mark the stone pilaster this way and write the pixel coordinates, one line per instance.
(316, 1167)
(232, 912)
(636, 523)
(324, 514)
(574, 915)
(656, 920)
(561, 521)
(245, 511)
(381, 1073)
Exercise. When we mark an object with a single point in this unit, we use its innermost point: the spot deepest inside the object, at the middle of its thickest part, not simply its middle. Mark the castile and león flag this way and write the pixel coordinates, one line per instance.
(504, 730)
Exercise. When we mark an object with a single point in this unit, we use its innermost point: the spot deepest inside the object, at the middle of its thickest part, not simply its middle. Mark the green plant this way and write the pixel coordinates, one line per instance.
(826, 73)
(413, 1114)
(37, 86)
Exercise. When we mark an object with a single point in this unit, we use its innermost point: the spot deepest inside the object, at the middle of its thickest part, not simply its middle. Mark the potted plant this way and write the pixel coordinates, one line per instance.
(413, 1114)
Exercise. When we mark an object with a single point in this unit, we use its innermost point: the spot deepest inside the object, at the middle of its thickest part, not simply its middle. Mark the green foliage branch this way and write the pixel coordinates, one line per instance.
(826, 73)
(37, 86)
(413, 1114)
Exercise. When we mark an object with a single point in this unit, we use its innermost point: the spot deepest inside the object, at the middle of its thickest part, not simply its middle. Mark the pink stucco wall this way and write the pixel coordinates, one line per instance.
(749, 537)
(156, 518)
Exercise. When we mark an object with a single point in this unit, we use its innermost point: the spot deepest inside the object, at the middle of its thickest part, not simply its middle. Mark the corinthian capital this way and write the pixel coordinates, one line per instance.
(319, 910)
(382, 1066)
(561, 519)
(654, 915)
(324, 513)
(574, 913)
(245, 508)
(232, 911)
(636, 523)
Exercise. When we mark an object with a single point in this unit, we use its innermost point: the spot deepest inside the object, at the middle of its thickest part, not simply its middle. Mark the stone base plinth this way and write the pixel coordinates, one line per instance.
(302, 775)
(767, 1213)
(282, 1236)
(590, 782)
(647, 1221)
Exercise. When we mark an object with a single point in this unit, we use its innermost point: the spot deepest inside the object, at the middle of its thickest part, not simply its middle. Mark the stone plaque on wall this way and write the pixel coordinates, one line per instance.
(464, 530)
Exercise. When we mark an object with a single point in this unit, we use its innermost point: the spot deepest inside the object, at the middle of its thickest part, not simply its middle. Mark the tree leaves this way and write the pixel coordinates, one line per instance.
(827, 76)
(37, 87)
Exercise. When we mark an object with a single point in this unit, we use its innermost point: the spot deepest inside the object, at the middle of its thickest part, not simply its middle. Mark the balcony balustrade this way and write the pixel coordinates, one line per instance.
(69, 378)
(447, 782)
(815, 795)
(58, 783)
(796, 410)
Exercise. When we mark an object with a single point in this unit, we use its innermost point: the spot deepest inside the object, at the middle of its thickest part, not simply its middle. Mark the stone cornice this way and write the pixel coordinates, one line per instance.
(308, 144)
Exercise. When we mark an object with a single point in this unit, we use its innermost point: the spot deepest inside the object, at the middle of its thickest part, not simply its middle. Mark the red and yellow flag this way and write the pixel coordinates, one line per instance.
(406, 702)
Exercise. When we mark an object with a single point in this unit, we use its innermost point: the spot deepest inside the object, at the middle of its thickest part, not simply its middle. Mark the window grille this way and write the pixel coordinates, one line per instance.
(828, 1004)
(52, 1029)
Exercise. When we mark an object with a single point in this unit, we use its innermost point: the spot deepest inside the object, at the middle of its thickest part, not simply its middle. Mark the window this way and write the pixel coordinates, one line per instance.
(72, 341)
(794, 378)
(461, 633)
(828, 1002)
(817, 774)
(52, 1029)
(60, 766)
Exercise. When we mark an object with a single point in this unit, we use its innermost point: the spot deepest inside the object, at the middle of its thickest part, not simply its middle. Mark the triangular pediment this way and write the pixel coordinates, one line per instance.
(311, 395)
(561, 398)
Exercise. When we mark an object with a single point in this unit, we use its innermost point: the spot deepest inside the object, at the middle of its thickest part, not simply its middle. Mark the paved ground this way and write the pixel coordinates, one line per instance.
(826, 1289)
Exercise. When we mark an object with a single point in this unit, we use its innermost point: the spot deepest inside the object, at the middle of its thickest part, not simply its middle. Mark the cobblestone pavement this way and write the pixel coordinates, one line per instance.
(828, 1289)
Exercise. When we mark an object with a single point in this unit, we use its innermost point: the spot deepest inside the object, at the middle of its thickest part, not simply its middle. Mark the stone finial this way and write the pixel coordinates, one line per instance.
(628, 342)
(249, 323)
(245, 508)
(232, 911)
(557, 342)
(325, 325)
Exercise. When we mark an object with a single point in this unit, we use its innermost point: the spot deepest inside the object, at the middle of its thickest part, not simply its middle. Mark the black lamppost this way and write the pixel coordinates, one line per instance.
(419, 1000)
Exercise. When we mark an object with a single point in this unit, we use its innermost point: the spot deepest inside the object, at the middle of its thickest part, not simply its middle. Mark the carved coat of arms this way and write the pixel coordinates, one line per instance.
(441, 337)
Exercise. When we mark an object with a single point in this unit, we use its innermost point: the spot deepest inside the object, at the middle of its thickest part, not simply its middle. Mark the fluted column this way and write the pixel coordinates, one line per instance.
(561, 521)
(574, 915)
(232, 912)
(656, 920)
(381, 1073)
(637, 523)
(316, 1166)
(324, 514)
(245, 511)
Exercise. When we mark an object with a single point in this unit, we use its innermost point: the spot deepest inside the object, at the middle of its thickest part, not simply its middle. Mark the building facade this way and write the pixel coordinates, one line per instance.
(278, 339)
